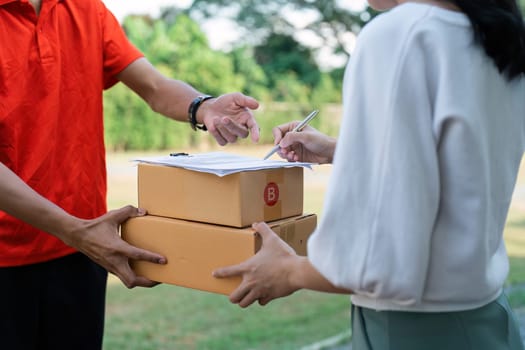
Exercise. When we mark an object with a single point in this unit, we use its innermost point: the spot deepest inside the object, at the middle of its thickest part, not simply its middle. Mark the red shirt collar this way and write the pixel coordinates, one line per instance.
(5, 2)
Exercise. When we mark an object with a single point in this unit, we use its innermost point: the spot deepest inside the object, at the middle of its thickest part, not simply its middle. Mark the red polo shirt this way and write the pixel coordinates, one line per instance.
(53, 69)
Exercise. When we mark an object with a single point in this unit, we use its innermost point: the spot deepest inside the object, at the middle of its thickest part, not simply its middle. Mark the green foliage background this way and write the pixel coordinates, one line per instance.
(268, 62)
(288, 83)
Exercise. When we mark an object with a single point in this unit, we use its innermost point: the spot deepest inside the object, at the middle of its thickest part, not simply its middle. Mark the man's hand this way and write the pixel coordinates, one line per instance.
(99, 239)
(229, 117)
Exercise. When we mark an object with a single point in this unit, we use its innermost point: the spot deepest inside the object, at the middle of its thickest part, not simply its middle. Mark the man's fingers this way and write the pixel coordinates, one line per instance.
(135, 253)
(265, 300)
(230, 130)
(123, 270)
(245, 101)
(254, 129)
(226, 124)
(124, 213)
(145, 282)
(126, 275)
(130, 280)
(217, 135)
(251, 103)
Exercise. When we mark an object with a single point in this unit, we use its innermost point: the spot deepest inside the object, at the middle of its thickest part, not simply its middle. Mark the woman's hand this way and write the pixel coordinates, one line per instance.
(268, 274)
(308, 145)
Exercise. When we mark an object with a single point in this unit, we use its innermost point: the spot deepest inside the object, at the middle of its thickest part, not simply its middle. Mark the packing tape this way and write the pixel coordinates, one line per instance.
(275, 175)
(274, 211)
(287, 232)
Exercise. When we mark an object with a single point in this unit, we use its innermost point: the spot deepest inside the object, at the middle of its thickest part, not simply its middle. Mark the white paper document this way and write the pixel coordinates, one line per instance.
(220, 163)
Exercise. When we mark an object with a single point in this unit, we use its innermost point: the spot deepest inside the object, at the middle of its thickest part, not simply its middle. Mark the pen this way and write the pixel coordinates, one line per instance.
(298, 127)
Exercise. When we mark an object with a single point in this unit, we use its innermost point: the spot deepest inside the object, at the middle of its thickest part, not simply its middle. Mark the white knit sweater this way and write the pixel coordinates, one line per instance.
(426, 162)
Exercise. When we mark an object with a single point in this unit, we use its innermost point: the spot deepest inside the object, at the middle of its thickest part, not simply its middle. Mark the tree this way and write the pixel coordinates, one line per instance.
(179, 49)
(282, 55)
(254, 79)
(331, 21)
(521, 4)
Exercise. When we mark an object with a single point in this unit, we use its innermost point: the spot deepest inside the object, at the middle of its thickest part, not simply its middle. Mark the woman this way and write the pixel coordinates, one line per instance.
(424, 169)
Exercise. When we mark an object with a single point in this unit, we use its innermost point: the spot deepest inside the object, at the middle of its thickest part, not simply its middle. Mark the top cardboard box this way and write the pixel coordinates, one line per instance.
(236, 200)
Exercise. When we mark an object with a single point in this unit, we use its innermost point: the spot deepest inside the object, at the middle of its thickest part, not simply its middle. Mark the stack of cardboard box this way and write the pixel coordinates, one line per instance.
(200, 221)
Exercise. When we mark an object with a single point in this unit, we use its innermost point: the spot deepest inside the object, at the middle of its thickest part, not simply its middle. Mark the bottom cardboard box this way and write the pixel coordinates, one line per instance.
(195, 249)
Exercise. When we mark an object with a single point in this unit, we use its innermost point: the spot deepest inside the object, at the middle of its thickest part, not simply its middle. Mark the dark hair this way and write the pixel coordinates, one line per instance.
(498, 27)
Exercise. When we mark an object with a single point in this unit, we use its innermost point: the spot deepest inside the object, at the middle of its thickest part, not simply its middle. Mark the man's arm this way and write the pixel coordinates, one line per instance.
(97, 238)
(227, 117)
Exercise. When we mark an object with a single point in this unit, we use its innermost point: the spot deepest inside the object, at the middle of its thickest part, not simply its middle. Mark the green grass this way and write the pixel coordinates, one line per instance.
(515, 242)
(171, 317)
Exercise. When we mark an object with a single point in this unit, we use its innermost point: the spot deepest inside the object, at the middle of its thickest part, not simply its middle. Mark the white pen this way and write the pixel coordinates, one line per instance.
(298, 127)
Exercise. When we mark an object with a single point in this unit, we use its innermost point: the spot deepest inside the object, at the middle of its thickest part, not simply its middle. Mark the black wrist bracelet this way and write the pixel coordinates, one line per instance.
(192, 112)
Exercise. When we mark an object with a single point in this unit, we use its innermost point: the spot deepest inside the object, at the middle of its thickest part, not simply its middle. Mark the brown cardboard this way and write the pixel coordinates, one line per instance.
(195, 249)
(235, 200)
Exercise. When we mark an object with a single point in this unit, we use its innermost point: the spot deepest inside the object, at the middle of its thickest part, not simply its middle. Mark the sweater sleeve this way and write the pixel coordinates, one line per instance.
(383, 197)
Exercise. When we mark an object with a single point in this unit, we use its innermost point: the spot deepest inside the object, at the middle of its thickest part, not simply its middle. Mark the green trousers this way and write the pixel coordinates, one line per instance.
(491, 327)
